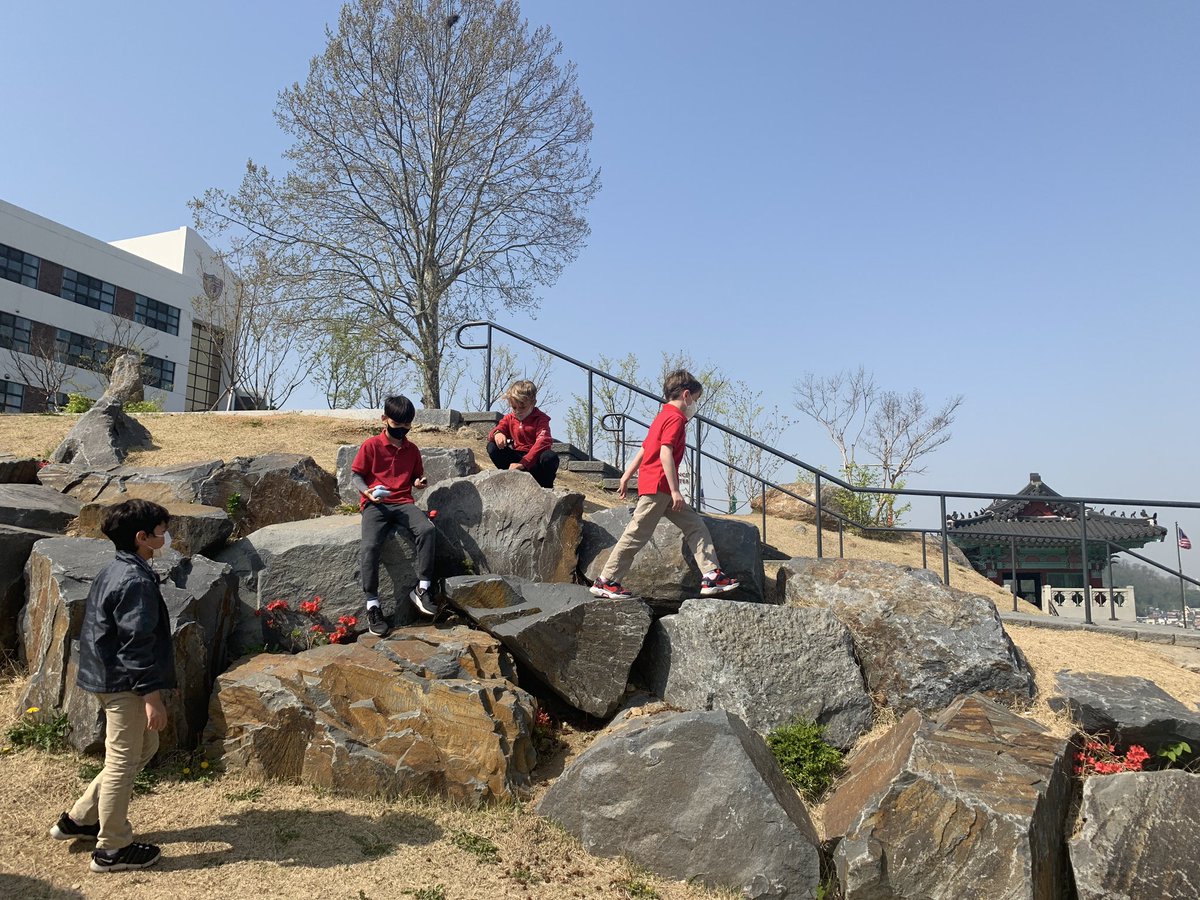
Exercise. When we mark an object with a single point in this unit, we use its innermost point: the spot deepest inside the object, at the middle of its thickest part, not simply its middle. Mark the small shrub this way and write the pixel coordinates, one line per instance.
(638, 888)
(1100, 758)
(234, 507)
(347, 509)
(807, 761)
(486, 851)
(78, 403)
(144, 406)
(39, 730)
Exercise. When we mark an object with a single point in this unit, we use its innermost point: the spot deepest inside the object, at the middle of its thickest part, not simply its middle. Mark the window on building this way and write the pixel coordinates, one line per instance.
(15, 332)
(81, 350)
(19, 266)
(204, 368)
(162, 316)
(89, 291)
(13, 396)
(158, 373)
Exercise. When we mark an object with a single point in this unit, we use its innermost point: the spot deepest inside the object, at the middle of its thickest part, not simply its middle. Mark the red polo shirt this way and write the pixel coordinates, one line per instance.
(379, 461)
(531, 436)
(669, 427)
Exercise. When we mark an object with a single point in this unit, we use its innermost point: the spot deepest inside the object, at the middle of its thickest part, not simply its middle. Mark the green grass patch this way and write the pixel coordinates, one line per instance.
(480, 847)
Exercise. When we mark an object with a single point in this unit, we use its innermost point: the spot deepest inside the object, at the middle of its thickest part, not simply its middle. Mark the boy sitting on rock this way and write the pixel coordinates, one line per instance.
(385, 470)
(521, 440)
(127, 659)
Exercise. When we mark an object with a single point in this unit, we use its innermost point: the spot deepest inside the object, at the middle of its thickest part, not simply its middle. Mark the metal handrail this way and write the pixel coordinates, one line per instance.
(820, 476)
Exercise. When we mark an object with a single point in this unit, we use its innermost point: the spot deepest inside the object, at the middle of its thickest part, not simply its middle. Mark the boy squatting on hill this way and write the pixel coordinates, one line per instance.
(521, 440)
(126, 658)
(657, 465)
(385, 470)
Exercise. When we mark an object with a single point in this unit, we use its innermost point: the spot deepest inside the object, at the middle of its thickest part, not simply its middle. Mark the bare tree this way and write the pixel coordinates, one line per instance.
(507, 367)
(608, 397)
(841, 404)
(439, 164)
(118, 337)
(42, 367)
(903, 430)
(743, 410)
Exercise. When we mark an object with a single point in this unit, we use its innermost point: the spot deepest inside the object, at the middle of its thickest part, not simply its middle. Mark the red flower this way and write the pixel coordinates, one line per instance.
(320, 629)
(275, 605)
(348, 621)
(311, 607)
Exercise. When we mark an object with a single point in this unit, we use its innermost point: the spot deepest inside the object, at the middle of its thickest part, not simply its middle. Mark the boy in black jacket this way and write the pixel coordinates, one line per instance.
(126, 658)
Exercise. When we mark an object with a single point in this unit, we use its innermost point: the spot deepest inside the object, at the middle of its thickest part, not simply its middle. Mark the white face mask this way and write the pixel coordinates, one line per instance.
(162, 551)
(689, 409)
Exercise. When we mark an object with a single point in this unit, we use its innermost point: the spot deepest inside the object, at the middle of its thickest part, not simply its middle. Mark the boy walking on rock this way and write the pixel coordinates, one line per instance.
(385, 470)
(657, 465)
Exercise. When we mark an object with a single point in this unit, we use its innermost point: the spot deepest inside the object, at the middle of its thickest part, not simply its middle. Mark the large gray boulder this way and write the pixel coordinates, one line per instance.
(427, 711)
(974, 800)
(199, 597)
(125, 380)
(1125, 708)
(579, 646)
(269, 489)
(103, 437)
(664, 570)
(920, 643)
(504, 523)
(15, 547)
(694, 796)
(1138, 837)
(36, 506)
(180, 483)
(297, 561)
(441, 464)
(768, 664)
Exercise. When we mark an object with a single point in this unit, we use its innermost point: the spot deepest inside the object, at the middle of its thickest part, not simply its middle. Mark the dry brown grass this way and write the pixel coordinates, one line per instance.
(235, 838)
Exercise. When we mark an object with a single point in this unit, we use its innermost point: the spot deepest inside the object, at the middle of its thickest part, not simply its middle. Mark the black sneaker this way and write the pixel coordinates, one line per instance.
(422, 601)
(376, 623)
(610, 590)
(67, 829)
(134, 856)
(718, 584)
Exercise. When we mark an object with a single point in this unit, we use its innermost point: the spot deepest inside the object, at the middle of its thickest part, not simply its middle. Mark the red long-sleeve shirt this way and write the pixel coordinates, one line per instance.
(530, 436)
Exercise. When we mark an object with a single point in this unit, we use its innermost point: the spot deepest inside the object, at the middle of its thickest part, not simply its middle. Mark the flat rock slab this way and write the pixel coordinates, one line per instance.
(694, 796)
(920, 643)
(36, 506)
(580, 646)
(15, 546)
(1126, 709)
(195, 528)
(382, 718)
(975, 799)
(1138, 837)
(162, 484)
(768, 664)
(664, 569)
(504, 523)
(297, 561)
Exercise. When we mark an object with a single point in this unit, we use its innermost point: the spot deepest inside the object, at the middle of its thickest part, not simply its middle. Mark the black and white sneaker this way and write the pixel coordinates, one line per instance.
(422, 601)
(133, 856)
(67, 829)
(376, 623)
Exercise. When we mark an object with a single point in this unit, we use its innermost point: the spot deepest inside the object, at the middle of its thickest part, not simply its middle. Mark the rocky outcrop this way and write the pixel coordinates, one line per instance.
(768, 664)
(103, 437)
(504, 523)
(579, 646)
(664, 570)
(693, 796)
(297, 561)
(1126, 709)
(441, 464)
(15, 547)
(920, 643)
(199, 597)
(1138, 837)
(939, 809)
(258, 491)
(427, 711)
(195, 528)
(36, 506)
(163, 484)
(125, 380)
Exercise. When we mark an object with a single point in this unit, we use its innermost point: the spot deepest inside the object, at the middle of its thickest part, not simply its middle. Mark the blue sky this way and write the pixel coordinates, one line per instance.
(1000, 200)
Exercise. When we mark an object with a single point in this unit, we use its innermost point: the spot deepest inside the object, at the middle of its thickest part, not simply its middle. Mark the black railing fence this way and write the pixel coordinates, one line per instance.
(615, 424)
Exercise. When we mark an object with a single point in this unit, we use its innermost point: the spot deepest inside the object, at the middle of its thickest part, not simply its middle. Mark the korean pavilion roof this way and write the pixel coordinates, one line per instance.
(1039, 521)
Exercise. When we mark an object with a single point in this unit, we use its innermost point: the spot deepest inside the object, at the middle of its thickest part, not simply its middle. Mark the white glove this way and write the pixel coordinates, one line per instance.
(379, 492)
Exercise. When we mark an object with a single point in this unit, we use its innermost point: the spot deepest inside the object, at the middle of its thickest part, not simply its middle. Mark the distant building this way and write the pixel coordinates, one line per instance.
(1046, 537)
(67, 300)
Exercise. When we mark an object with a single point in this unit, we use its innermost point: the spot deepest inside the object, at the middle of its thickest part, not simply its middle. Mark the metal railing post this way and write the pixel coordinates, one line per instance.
(763, 485)
(487, 378)
(591, 419)
(697, 483)
(817, 487)
(924, 554)
(841, 541)
(1112, 590)
(945, 545)
(1083, 565)
(1012, 559)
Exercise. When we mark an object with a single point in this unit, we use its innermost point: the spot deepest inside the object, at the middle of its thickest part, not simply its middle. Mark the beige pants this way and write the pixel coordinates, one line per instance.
(128, 746)
(650, 508)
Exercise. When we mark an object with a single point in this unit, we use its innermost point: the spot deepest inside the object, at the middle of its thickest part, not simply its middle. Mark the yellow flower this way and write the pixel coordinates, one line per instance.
(204, 765)
(187, 771)
(32, 710)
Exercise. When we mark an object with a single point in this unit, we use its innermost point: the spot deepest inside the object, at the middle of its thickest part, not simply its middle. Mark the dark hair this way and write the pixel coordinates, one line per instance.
(399, 409)
(679, 381)
(122, 522)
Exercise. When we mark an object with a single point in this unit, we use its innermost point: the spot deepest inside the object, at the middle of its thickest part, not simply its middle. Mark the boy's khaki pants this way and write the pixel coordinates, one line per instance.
(650, 508)
(128, 746)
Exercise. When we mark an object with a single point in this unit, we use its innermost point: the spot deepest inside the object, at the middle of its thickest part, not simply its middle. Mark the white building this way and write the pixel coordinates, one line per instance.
(67, 300)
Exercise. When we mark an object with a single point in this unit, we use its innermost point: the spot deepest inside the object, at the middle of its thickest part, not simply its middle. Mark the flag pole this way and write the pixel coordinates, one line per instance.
(1179, 557)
